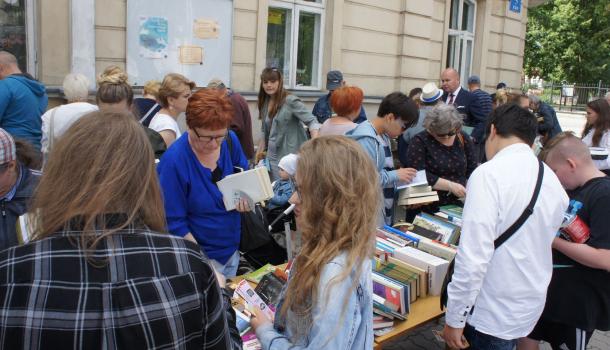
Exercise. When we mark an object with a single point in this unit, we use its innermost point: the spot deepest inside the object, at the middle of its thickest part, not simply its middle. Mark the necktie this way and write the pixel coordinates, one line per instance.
(451, 96)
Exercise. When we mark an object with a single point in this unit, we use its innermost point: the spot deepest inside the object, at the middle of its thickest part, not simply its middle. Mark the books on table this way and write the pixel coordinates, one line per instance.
(450, 232)
(435, 266)
(254, 182)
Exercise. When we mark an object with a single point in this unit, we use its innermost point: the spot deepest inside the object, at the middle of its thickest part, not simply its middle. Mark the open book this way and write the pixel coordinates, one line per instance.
(255, 183)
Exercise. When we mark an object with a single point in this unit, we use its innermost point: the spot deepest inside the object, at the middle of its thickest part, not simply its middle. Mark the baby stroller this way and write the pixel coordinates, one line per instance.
(273, 252)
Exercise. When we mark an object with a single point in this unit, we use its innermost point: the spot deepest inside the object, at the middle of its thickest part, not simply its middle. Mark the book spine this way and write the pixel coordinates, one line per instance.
(400, 233)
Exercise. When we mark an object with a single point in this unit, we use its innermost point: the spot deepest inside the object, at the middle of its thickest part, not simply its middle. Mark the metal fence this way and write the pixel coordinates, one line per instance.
(565, 96)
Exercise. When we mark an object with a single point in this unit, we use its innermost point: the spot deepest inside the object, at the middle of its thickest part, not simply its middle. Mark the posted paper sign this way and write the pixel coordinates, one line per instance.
(191, 54)
(206, 29)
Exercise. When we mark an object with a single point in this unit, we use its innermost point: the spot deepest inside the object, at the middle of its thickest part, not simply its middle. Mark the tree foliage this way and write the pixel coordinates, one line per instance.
(569, 40)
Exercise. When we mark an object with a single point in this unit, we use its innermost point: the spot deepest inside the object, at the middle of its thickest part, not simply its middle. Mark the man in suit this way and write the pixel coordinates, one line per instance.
(466, 103)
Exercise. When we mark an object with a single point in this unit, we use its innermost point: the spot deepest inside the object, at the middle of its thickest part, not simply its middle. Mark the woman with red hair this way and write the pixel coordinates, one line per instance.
(189, 171)
(345, 103)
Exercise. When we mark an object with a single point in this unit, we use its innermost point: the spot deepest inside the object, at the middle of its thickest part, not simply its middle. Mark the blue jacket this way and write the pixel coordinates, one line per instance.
(550, 125)
(366, 136)
(11, 209)
(322, 110)
(282, 190)
(22, 103)
(193, 202)
(480, 109)
(337, 324)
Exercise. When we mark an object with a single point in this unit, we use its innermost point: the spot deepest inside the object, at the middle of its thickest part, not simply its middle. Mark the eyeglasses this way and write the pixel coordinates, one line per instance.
(449, 134)
(207, 139)
(295, 187)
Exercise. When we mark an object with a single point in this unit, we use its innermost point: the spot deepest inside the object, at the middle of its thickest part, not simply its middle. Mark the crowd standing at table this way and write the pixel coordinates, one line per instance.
(124, 241)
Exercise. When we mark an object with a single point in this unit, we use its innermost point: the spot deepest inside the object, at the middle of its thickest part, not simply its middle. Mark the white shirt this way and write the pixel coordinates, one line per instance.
(455, 94)
(507, 287)
(601, 164)
(63, 117)
(161, 122)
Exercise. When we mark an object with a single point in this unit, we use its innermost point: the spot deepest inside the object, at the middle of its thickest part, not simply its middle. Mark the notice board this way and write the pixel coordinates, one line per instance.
(190, 37)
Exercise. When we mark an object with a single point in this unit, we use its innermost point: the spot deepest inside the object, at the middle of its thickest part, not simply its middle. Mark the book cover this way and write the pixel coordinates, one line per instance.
(422, 281)
(393, 291)
(269, 289)
(426, 233)
(257, 275)
(419, 180)
(254, 182)
(436, 224)
(452, 210)
(252, 298)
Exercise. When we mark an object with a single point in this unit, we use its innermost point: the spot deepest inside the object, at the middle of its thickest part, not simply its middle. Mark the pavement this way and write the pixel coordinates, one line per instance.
(423, 339)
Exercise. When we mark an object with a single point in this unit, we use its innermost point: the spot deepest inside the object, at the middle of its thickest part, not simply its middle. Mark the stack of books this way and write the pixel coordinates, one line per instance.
(451, 213)
(421, 194)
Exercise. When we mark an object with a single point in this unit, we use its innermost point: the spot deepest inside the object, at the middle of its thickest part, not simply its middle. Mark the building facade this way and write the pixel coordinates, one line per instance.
(381, 46)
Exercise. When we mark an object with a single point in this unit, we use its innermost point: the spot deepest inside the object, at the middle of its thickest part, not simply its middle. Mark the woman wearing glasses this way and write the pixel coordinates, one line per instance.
(173, 96)
(188, 173)
(282, 117)
(445, 152)
(327, 303)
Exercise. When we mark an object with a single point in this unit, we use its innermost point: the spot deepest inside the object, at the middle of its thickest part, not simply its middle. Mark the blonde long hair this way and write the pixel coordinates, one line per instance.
(102, 165)
(340, 198)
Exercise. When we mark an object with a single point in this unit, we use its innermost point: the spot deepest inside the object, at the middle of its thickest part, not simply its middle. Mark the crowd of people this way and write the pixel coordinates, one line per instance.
(115, 234)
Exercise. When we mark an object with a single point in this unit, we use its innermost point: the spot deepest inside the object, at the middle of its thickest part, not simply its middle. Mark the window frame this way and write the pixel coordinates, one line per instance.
(296, 7)
(30, 29)
(462, 39)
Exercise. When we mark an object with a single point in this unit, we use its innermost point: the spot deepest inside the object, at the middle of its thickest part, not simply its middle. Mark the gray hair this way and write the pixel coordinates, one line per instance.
(443, 119)
(76, 87)
(534, 99)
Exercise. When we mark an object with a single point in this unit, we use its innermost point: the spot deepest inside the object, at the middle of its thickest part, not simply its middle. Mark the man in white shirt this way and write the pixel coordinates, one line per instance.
(496, 296)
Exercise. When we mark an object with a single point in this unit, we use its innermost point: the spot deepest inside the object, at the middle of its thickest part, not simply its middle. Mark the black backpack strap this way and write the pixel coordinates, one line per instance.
(529, 210)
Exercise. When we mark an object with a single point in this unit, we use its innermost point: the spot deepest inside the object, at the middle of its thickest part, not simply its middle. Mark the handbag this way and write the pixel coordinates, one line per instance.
(527, 212)
(254, 229)
(254, 225)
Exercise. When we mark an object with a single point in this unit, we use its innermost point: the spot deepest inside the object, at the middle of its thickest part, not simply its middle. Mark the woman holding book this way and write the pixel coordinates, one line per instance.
(327, 302)
(100, 272)
(597, 130)
(282, 117)
(189, 171)
(447, 155)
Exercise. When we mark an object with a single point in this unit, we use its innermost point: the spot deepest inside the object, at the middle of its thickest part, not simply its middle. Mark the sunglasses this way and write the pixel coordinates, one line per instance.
(207, 139)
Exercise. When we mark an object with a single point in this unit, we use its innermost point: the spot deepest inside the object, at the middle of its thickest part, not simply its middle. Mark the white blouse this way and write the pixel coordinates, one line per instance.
(602, 164)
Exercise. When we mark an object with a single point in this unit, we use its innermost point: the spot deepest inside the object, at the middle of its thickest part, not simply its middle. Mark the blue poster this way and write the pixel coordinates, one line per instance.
(515, 6)
(153, 37)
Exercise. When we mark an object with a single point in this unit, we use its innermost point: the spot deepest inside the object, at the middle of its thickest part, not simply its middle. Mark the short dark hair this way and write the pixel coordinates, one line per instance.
(401, 106)
(512, 120)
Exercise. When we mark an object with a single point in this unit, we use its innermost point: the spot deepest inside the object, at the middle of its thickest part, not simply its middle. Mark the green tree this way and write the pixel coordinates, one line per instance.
(569, 40)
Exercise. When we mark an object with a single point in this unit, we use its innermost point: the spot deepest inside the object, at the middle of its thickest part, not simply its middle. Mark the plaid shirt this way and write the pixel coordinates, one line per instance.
(138, 290)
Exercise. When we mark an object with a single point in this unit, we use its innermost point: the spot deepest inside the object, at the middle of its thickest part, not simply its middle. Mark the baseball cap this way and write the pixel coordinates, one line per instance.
(7, 147)
(334, 78)
(501, 85)
(474, 79)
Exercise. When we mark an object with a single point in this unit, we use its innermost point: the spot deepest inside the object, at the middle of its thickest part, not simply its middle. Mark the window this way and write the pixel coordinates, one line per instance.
(294, 41)
(461, 36)
(15, 31)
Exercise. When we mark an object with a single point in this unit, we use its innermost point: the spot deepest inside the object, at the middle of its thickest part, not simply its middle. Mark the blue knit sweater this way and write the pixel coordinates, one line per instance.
(193, 202)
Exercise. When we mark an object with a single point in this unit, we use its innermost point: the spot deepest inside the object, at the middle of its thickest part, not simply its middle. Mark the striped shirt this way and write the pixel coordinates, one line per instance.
(388, 192)
(137, 290)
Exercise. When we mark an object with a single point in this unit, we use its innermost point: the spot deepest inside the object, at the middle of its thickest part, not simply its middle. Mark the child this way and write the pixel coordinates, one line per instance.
(282, 189)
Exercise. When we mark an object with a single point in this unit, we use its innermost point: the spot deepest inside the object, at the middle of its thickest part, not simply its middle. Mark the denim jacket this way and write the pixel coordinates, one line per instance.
(282, 190)
(329, 330)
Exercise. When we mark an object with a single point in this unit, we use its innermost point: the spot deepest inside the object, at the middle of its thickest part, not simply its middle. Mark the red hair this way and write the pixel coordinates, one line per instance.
(209, 109)
(346, 100)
